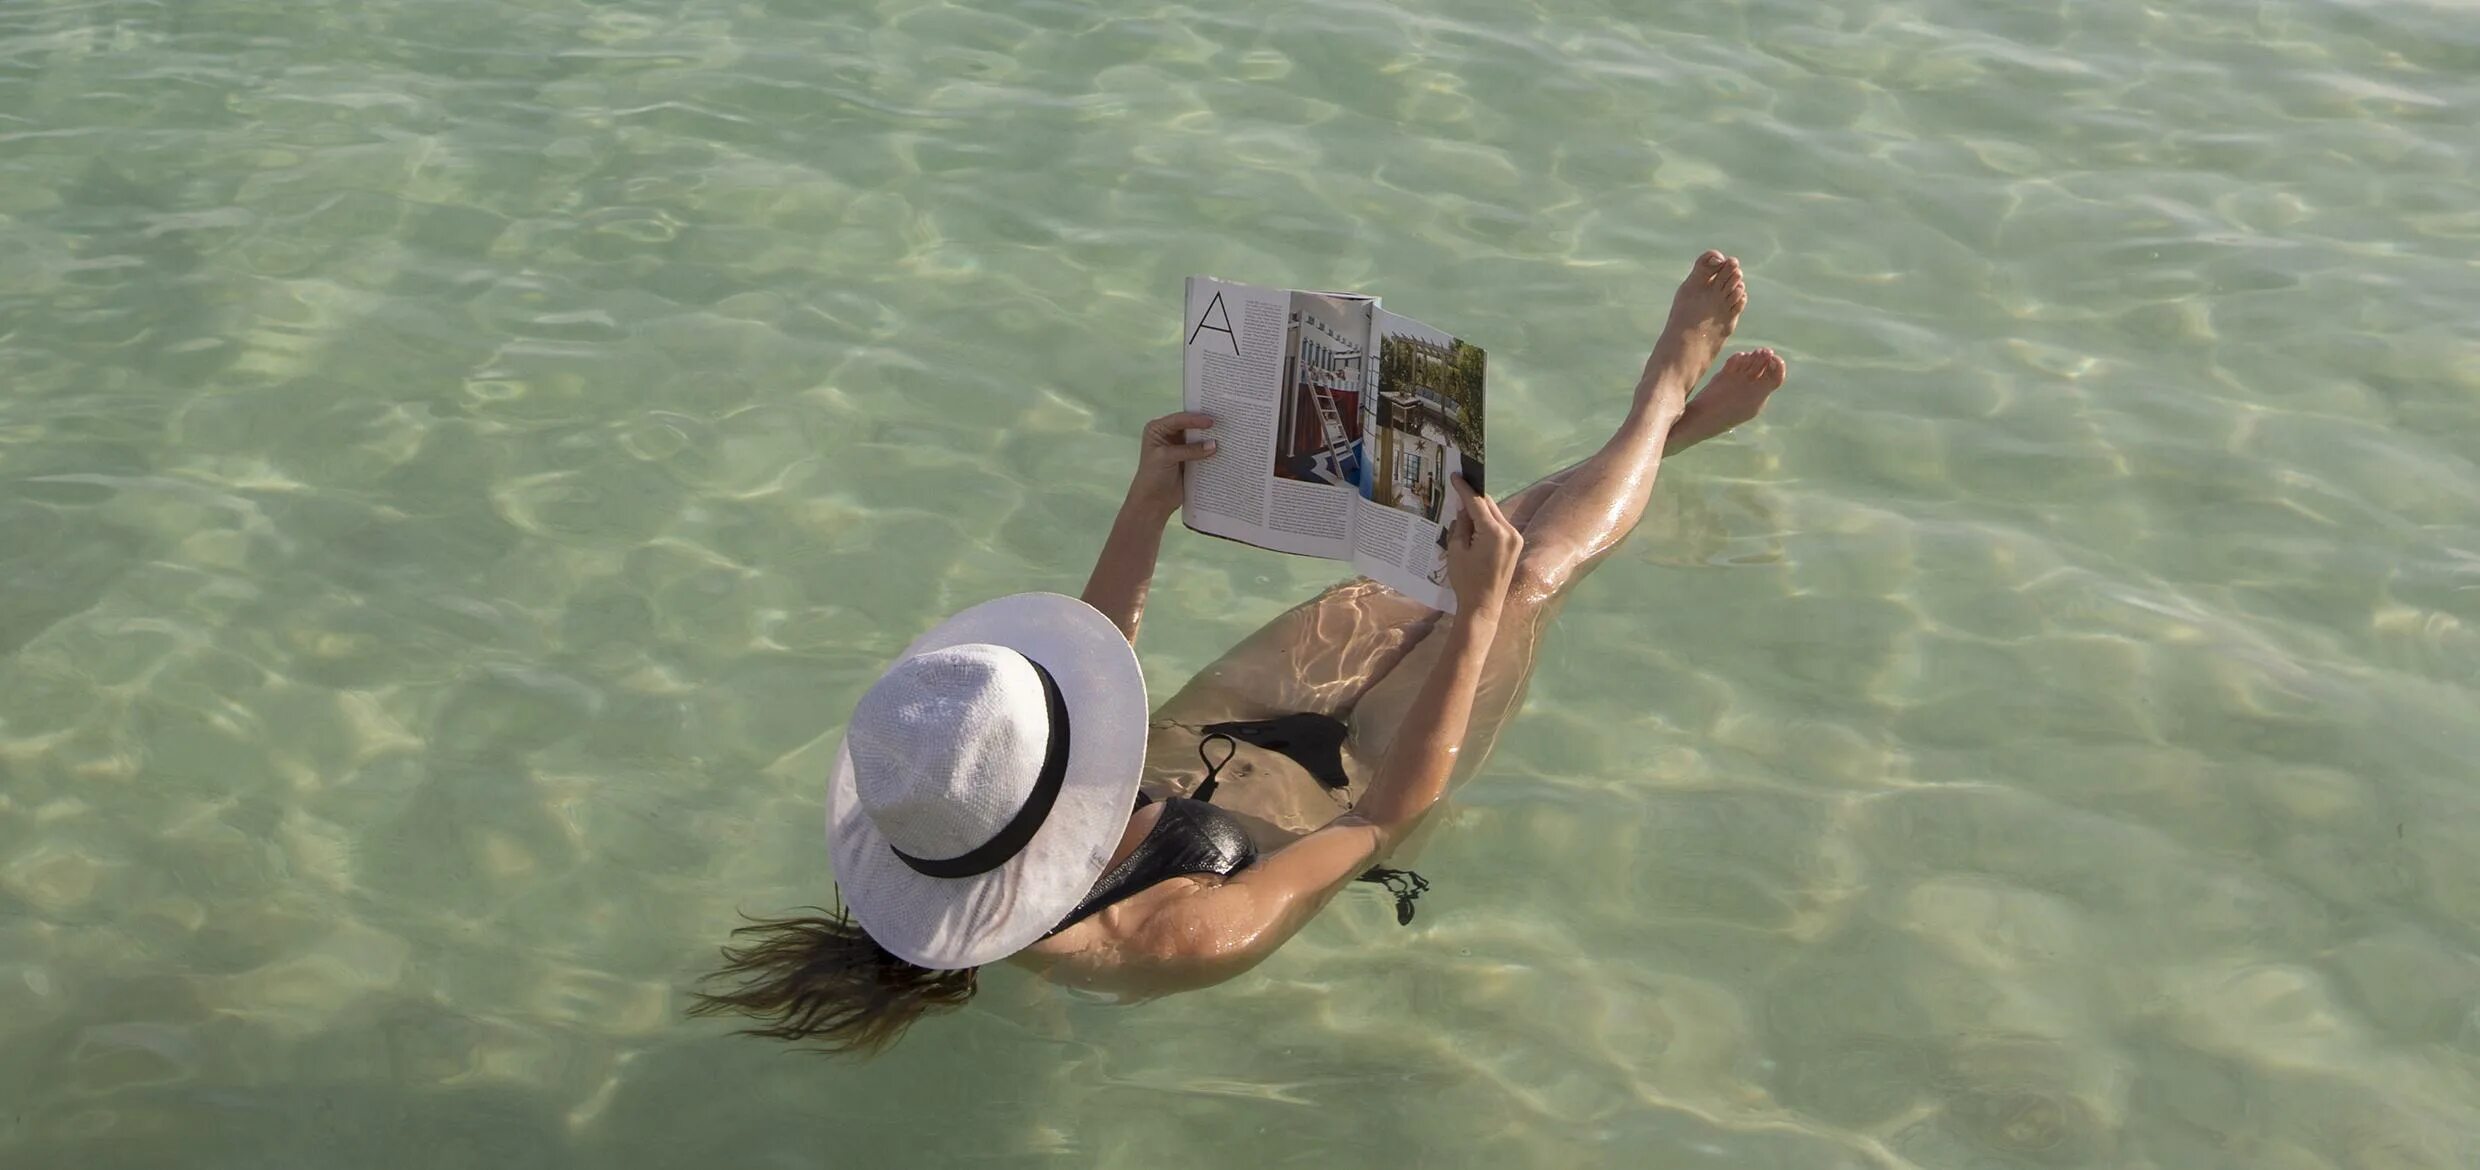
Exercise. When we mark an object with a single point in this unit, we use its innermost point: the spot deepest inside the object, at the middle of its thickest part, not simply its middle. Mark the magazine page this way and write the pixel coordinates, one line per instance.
(1267, 364)
(1317, 445)
(1422, 423)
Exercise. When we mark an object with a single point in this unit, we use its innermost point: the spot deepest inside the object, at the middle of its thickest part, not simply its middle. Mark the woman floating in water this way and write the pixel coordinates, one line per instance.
(1001, 793)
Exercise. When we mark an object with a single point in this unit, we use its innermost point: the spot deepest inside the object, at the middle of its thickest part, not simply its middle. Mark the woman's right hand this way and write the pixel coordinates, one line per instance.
(1482, 549)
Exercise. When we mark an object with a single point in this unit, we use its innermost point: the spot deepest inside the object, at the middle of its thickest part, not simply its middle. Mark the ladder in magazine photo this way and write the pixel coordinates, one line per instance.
(1336, 461)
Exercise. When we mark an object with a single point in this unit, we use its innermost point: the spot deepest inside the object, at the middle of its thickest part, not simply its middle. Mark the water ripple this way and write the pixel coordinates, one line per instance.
(460, 457)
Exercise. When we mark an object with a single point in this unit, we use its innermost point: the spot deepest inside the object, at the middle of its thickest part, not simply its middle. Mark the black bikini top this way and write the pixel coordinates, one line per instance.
(1193, 837)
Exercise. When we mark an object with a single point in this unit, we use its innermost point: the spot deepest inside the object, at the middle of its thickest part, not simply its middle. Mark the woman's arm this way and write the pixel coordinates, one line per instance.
(1245, 918)
(1125, 570)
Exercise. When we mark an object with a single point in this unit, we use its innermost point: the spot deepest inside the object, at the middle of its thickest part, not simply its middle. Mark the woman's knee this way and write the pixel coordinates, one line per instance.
(1550, 567)
(1539, 576)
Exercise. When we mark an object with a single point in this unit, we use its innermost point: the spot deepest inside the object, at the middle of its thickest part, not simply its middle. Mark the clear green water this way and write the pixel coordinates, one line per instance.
(457, 458)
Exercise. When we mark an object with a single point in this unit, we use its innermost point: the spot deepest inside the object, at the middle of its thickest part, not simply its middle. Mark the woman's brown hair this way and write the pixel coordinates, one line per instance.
(823, 979)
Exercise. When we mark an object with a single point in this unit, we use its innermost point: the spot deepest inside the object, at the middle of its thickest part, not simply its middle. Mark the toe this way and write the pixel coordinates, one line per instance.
(1710, 261)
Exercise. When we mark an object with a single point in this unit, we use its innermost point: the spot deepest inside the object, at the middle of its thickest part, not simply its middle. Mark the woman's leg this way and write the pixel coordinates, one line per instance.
(1325, 653)
(1353, 649)
(1728, 400)
(1593, 505)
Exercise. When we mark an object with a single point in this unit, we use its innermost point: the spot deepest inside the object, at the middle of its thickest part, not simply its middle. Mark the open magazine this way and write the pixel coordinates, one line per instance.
(1337, 425)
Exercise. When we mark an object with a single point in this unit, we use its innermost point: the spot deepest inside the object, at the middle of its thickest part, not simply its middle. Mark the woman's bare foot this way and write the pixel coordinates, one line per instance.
(1734, 396)
(1703, 313)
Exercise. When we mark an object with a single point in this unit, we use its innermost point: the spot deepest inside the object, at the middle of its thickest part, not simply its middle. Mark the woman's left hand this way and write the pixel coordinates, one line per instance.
(1160, 455)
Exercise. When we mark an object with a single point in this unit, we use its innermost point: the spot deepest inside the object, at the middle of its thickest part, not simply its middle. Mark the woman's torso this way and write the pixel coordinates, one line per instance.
(1262, 797)
(1189, 838)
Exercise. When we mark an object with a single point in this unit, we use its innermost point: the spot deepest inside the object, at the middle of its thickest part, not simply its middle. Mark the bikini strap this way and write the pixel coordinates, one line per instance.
(1231, 747)
(1406, 885)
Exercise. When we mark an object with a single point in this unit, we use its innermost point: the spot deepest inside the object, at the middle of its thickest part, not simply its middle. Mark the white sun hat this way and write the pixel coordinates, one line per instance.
(986, 778)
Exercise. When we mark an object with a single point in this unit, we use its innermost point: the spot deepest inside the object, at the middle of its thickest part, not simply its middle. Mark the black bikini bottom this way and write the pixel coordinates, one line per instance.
(1315, 742)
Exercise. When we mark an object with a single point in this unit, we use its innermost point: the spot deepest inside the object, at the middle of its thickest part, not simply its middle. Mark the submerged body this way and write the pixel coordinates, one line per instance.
(1400, 700)
(1363, 654)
